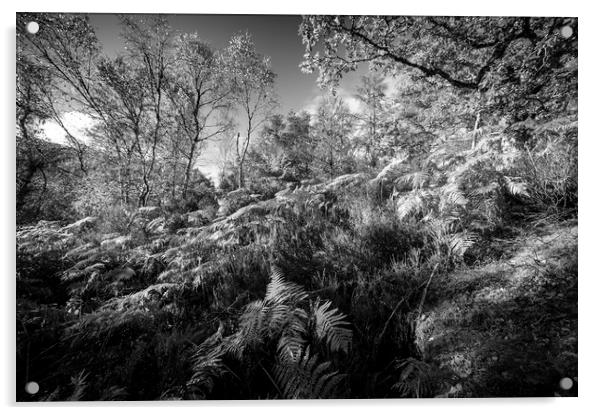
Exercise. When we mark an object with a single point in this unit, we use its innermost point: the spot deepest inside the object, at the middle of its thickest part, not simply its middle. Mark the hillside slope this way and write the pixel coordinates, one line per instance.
(508, 328)
(497, 319)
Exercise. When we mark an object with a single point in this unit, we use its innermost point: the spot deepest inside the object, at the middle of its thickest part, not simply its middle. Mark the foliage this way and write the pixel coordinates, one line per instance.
(283, 323)
(338, 244)
(253, 85)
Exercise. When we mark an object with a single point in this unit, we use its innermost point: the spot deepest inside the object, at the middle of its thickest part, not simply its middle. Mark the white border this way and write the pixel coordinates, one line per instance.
(590, 71)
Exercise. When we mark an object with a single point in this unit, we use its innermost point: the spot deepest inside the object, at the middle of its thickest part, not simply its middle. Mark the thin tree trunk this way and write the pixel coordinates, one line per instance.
(42, 193)
(241, 174)
(24, 186)
(189, 169)
(475, 130)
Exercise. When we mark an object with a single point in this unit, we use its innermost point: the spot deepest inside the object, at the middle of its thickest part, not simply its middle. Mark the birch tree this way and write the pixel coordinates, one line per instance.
(253, 91)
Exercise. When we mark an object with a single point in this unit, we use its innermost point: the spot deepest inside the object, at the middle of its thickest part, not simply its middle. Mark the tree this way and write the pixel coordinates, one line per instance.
(45, 172)
(331, 130)
(285, 148)
(64, 52)
(508, 64)
(461, 50)
(422, 112)
(68, 54)
(149, 41)
(267, 155)
(200, 97)
(299, 145)
(253, 90)
(29, 111)
(125, 97)
(371, 93)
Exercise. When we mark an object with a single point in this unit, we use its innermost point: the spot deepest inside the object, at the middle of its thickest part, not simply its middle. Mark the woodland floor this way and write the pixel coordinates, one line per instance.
(504, 324)
(508, 328)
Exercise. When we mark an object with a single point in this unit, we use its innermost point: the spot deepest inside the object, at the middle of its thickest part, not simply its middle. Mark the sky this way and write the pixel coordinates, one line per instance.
(275, 36)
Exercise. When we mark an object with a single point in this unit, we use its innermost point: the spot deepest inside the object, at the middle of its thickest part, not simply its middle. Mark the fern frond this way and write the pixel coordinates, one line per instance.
(331, 327)
(207, 364)
(290, 348)
(280, 320)
(79, 383)
(279, 291)
(252, 326)
(453, 195)
(114, 393)
(515, 188)
(438, 229)
(307, 378)
(156, 225)
(485, 190)
(416, 379)
(413, 203)
(459, 243)
(417, 180)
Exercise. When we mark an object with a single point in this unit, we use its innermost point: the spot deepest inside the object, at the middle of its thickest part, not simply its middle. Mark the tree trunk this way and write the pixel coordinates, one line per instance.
(241, 164)
(188, 169)
(24, 186)
(475, 129)
(241, 174)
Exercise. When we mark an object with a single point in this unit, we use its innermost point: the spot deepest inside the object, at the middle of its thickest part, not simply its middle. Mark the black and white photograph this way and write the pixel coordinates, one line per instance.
(284, 206)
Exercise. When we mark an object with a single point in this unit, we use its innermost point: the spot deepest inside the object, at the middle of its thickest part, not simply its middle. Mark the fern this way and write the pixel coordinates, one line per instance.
(207, 364)
(80, 384)
(306, 378)
(417, 379)
(452, 195)
(515, 188)
(279, 291)
(416, 202)
(459, 243)
(331, 327)
(418, 179)
(290, 348)
(284, 319)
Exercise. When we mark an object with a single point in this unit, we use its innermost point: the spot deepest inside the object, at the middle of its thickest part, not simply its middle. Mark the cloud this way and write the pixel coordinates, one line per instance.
(311, 105)
(354, 104)
(348, 98)
(76, 122)
(391, 85)
(209, 161)
(214, 155)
